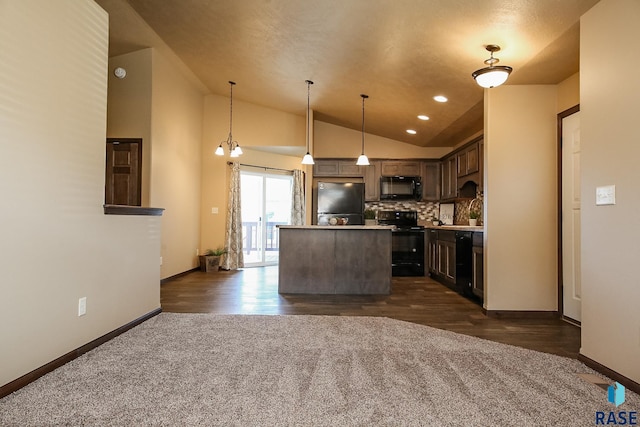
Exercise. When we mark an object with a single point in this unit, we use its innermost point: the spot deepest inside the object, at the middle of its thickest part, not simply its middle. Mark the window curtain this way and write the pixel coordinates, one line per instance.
(233, 259)
(297, 198)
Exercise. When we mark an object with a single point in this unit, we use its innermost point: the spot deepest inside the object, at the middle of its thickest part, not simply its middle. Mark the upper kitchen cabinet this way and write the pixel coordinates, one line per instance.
(335, 167)
(467, 160)
(430, 181)
(449, 181)
(400, 168)
(372, 181)
(462, 171)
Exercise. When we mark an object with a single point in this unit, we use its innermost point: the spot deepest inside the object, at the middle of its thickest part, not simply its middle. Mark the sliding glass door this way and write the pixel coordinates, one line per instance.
(266, 203)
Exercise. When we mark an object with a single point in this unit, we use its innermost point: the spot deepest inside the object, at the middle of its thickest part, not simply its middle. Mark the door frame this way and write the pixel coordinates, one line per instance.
(561, 116)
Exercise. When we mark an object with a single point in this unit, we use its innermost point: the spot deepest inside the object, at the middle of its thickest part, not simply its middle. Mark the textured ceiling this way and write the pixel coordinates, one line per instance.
(400, 53)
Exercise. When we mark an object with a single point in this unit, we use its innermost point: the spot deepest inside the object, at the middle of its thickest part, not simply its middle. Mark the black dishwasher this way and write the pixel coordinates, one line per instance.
(464, 261)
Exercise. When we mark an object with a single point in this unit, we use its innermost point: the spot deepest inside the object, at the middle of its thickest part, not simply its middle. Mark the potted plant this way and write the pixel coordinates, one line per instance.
(210, 261)
(473, 218)
(369, 217)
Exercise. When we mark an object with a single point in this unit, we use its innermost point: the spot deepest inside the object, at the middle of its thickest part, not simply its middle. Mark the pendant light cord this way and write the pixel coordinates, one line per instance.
(309, 83)
(363, 98)
(231, 110)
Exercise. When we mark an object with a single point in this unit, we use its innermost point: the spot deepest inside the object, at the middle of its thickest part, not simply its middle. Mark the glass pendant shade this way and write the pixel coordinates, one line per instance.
(307, 159)
(363, 160)
(219, 151)
(492, 76)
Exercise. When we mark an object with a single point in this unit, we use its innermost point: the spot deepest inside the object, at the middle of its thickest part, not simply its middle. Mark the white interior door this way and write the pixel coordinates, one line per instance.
(571, 280)
(266, 203)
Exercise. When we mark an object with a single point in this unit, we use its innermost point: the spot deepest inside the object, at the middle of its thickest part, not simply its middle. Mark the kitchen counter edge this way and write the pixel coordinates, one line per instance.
(339, 227)
(455, 227)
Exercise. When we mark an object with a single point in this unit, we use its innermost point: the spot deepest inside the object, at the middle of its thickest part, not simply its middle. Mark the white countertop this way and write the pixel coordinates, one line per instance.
(339, 227)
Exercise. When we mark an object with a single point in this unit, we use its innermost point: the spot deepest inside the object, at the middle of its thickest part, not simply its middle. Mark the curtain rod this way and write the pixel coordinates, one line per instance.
(261, 167)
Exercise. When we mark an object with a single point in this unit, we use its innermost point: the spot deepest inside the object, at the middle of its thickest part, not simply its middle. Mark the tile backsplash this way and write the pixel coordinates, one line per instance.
(428, 210)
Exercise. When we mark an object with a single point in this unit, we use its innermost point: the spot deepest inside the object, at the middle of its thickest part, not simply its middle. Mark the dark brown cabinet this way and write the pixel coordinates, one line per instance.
(467, 161)
(449, 180)
(343, 168)
(430, 181)
(432, 252)
(372, 181)
(477, 282)
(441, 256)
(400, 168)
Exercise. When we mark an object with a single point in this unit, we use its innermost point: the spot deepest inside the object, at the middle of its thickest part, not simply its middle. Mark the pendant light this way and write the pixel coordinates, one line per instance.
(308, 159)
(233, 146)
(492, 75)
(363, 160)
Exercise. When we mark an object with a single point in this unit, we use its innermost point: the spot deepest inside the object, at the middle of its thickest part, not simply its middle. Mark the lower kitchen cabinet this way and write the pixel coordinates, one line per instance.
(455, 262)
(477, 283)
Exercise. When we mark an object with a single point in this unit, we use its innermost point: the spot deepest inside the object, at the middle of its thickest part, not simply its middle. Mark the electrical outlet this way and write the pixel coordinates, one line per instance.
(197, 252)
(214, 210)
(82, 306)
(160, 260)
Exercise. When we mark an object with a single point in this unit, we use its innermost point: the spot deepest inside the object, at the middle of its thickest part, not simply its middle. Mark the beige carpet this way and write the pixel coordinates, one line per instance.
(199, 369)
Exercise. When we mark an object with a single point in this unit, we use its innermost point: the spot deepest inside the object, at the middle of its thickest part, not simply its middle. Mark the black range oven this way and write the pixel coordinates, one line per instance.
(407, 241)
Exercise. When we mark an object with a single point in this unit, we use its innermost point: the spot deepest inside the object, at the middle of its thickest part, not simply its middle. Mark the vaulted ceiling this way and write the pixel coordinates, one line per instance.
(401, 53)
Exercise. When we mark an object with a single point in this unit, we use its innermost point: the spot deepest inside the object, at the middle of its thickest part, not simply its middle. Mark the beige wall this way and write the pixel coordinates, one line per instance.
(57, 245)
(569, 93)
(520, 198)
(129, 106)
(609, 93)
(176, 141)
(331, 141)
(159, 104)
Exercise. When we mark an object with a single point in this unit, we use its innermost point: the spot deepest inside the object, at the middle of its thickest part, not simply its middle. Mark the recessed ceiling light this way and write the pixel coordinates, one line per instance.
(411, 131)
(440, 98)
(423, 117)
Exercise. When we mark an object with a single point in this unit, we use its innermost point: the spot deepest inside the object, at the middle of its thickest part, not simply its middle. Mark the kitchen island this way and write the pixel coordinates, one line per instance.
(341, 259)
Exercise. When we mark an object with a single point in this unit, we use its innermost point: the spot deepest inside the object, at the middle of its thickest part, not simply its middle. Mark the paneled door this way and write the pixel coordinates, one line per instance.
(265, 204)
(123, 173)
(571, 279)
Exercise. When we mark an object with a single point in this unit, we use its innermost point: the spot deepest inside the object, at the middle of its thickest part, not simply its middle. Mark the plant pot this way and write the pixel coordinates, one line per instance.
(370, 222)
(473, 222)
(209, 263)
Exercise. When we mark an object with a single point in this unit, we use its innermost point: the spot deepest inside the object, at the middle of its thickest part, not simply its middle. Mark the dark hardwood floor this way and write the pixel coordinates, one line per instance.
(413, 299)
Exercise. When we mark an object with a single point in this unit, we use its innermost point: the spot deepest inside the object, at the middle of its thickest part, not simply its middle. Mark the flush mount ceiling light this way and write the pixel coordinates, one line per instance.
(493, 75)
(363, 160)
(423, 117)
(233, 146)
(440, 98)
(411, 131)
(308, 159)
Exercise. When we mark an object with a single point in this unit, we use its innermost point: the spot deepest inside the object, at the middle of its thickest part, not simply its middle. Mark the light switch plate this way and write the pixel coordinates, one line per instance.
(606, 195)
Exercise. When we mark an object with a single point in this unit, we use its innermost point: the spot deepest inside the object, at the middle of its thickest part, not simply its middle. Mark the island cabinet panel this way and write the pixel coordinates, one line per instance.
(335, 260)
(354, 272)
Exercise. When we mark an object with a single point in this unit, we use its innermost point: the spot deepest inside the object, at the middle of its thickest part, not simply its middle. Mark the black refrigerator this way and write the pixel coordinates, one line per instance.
(340, 200)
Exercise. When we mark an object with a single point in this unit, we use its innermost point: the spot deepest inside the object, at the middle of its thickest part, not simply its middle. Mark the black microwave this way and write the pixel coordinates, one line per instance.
(400, 188)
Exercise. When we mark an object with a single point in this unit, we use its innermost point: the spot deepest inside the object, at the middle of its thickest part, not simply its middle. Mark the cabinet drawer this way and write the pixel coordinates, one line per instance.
(447, 235)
